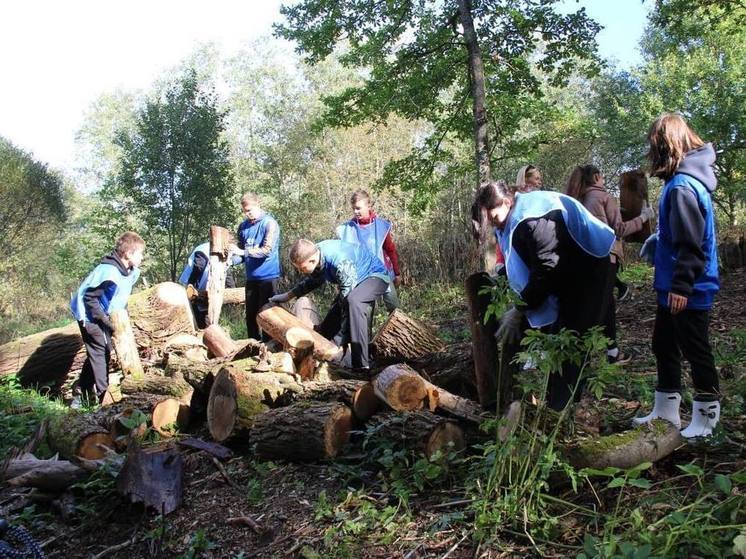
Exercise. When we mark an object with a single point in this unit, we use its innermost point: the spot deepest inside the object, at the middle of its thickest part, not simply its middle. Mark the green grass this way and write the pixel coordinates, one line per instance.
(637, 273)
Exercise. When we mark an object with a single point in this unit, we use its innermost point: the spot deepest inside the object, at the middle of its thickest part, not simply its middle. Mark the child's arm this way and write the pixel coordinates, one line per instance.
(389, 249)
(200, 263)
(91, 299)
(308, 284)
(687, 232)
(537, 243)
(270, 239)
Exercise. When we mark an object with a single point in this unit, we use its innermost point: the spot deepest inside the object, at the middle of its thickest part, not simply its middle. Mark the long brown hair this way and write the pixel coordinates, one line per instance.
(582, 177)
(489, 196)
(670, 138)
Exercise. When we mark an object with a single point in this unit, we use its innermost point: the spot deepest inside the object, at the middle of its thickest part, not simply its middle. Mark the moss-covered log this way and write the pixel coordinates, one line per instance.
(302, 432)
(76, 434)
(238, 396)
(422, 431)
(165, 413)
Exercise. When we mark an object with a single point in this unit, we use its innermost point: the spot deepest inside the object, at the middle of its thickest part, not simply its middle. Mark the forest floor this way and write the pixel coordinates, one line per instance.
(379, 503)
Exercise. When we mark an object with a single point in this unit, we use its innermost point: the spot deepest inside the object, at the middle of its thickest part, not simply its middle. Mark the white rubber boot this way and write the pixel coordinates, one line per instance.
(705, 415)
(666, 407)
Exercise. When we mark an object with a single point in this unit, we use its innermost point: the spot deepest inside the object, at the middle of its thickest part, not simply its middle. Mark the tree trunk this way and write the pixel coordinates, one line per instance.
(303, 432)
(276, 322)
(153, 476)
(421, 431)
(123, 340)
(218, 342)
(160, 385)
(77, 435)
(237, 397)
(401, 387)
(403, 338)
(359, 395)
(484, 346)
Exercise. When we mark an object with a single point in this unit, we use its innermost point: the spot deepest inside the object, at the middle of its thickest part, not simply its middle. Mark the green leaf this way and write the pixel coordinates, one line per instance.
(723, 483)
(739, 544)
(617, 482)
(641, 483)
(606, 472)
(691, 469)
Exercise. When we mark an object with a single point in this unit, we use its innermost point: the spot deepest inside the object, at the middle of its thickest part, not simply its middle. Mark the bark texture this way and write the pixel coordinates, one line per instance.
(403, 338)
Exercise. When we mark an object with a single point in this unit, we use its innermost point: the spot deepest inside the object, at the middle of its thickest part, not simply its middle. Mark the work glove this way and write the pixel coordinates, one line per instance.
(509, 331)
(647, 252)
(281, 298)
(647, 214)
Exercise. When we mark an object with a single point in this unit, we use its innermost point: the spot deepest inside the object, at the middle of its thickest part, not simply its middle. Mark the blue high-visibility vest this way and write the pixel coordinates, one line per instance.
(204, 248)
(115, 296)
(371, 235)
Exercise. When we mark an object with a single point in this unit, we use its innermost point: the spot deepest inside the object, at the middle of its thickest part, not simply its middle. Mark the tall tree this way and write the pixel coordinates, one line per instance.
(175, 169)
(425, 60)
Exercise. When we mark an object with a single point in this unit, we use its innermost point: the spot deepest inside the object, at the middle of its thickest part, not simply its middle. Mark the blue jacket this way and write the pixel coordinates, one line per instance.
(203, 248)
(107, 288)
(590, 234)
(686, 260)
(344, 264)
(262, 239)
(371, 235)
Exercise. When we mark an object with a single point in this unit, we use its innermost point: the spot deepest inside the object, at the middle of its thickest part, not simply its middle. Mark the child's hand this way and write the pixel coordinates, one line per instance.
(676, 303)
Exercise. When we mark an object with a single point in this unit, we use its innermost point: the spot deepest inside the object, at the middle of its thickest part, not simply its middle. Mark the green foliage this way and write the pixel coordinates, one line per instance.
(198, 545)
(175, 172)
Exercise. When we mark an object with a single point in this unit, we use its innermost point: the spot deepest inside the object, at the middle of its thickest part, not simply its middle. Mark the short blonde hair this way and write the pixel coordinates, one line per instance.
(128, 242)
(302, 250)
(250, 198)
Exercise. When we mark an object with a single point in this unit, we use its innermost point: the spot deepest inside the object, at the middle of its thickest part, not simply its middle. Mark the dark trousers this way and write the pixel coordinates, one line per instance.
(610, 318)
(95, 372)
(348, 320)
(258, 293)
(687, 333)
(581, 307)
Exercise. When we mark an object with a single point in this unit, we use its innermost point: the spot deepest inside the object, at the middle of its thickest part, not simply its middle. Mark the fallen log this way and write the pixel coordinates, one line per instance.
(123, 340)
(152, 383)
(403, 338)
(198, 374)
(276, 322)
(484, 347)
(154, 477)
(218, 342)
(47, 475)
(302, 432)
(167, 414)
(421, 431)
(78, 435)
(646, 443)
(401, 387)
(300, 347)
(358, 395)
(452, 369)
(459, 407)
(238, 396)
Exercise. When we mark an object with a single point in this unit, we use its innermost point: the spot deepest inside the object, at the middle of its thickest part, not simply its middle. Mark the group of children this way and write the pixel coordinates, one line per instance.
(560, 253)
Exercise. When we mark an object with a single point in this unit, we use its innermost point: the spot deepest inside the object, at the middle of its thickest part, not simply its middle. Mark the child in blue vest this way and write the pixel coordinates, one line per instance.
(557, 260)
(259, 239)
(104, 290)
(360, 276)
(367, 228)
(686, 273)
(197, 273)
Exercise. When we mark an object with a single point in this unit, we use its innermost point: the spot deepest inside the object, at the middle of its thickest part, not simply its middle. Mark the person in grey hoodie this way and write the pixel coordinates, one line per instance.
(586, 184)
(686, 273)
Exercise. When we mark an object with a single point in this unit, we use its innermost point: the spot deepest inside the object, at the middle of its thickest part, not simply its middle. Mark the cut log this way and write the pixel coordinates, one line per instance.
(421, 431)
(357, 394)
(182, 343)
(218, 342)
(646, 443)
(306, 311)
(280, 362)
(153, 476)
(158, 384)
(451, 369)
(234, 296)
(402, 338)
(633, 196)
(300, 347)
(302, 432)
(401, 387)
(237, 397)
(219, 250)
(276, 322)
(125, 427)
(47, 475)
(459, 407)
(78, 435)
(166, 413)
(484, 347)
(198, 375)
(157, 314)
(123, 340)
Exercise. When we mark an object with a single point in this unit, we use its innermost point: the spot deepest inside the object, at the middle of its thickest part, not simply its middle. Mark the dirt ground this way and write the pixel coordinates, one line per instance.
(283, 500)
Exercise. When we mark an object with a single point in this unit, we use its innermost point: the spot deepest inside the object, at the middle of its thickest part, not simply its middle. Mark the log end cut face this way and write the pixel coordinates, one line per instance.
(337, 430)
(170, 415)
(365, 403)
(94, 446)
(446, 437)
(221, 407)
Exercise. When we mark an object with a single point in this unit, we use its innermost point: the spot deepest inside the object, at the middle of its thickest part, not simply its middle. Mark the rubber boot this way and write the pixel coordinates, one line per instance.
(666, 407)
(705, 415)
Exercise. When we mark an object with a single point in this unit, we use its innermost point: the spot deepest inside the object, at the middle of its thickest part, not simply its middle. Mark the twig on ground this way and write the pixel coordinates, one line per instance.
(246, 521)
(115, 548)
(455, 546)
(222, 471)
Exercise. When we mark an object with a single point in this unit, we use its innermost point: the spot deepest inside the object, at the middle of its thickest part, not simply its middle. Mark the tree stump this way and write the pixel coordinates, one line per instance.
(76, 434)
(421, 431)
(302, 432)
(401, 387)
(633, 196)
(123, 340)
(403, 338)
(276, 322)
(484, 346)
(237, 397)
(218, 342)
(153, 476)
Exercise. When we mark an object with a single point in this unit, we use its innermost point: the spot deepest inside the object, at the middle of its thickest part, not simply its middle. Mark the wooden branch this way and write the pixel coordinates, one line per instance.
(123, 340)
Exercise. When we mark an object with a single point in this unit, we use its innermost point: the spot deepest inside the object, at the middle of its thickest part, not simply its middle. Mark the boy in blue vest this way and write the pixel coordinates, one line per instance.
(361, 278)
(197, 273)
(686, 273)
(259, 239)
(106, 289)
(374, 232)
